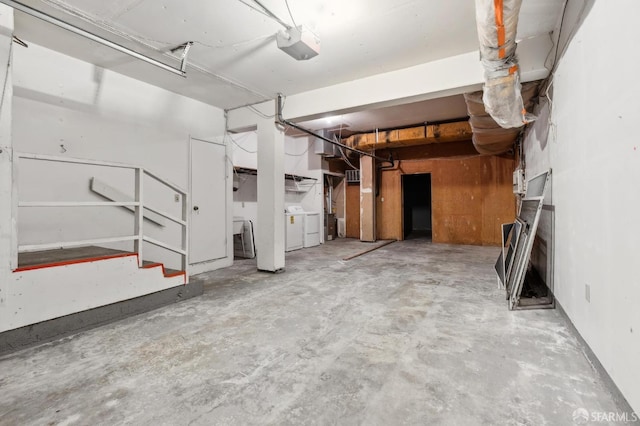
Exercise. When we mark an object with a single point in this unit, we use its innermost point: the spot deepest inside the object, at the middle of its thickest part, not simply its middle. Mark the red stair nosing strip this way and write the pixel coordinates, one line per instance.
(176, 274)
(73, 262)
(153, 265)
(164, 272)
(98, 258)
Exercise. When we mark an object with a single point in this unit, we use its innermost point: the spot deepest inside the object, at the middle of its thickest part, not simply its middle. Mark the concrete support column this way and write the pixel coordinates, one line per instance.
(270, 238)
(8, 244)
(367, 199)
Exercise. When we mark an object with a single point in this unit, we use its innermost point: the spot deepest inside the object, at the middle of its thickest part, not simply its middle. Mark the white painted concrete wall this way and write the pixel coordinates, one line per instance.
(7, 245)
(67, 107)
(299, 160)
(593, 148)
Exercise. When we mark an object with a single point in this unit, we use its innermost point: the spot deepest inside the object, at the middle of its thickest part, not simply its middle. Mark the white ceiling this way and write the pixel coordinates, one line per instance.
(431, 111)
(235, 61)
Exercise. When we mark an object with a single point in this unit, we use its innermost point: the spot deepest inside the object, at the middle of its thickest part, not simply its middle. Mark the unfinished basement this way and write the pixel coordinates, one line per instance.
(317, 212)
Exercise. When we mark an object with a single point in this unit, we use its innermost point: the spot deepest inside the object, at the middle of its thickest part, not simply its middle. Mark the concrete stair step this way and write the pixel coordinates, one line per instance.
(67, 256)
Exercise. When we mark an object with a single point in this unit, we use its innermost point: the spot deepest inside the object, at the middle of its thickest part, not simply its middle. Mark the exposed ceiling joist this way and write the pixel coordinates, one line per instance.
(419, 135)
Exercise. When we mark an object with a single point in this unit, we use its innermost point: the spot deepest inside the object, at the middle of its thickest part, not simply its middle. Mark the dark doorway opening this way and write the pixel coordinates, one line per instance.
(416, 196)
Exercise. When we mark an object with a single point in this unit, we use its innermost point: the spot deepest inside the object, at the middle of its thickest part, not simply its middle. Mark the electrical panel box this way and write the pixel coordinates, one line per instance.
(518, 182)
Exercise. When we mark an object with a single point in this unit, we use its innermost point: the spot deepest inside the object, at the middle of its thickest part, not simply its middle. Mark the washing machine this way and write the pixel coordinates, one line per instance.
(294, 228)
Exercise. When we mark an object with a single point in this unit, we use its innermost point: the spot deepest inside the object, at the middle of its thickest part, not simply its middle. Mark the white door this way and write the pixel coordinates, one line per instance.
(207, 239)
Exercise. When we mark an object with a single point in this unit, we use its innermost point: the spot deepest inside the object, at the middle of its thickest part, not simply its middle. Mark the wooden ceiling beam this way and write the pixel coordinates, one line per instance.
(412, 136)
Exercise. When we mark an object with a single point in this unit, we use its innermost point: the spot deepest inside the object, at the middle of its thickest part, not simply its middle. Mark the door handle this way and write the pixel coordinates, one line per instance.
(196, 208)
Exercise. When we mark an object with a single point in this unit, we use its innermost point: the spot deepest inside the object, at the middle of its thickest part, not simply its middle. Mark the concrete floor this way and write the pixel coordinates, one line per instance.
(412, 333)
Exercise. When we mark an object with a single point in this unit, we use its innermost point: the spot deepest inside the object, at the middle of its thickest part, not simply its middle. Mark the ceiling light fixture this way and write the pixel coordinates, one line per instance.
(299, 43)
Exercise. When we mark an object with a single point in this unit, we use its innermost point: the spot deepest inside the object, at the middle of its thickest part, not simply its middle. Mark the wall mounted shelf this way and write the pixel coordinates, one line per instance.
(293, 183)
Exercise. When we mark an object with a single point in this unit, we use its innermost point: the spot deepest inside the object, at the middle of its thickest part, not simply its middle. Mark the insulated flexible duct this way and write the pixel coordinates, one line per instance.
(497, 22)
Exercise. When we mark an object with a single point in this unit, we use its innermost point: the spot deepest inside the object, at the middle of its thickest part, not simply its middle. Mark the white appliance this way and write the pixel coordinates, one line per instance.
(311, 229)
(294, 228)
(310, 226)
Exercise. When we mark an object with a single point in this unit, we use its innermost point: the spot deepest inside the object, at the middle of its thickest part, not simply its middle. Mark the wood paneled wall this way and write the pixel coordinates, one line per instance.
(352, 211)
(471, 198)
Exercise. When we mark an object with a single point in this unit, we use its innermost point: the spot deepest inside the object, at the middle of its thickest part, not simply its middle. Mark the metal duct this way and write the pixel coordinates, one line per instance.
(488, 137)
(497, 22)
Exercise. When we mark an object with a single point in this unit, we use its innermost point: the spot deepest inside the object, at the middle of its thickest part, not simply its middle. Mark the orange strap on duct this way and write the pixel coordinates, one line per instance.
(499, 11)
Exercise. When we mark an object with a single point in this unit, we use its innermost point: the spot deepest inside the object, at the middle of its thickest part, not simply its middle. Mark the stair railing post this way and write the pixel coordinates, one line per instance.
(13, 250)
(138, 216)
(185, 234)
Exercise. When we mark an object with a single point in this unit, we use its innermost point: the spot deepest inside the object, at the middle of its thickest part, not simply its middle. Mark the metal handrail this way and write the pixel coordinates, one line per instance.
(73, 160)
(164, 245)
(166, 215)
(138, 238)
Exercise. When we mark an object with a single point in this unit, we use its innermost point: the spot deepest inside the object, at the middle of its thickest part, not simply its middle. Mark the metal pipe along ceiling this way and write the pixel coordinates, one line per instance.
(55, 21)
(273, 15)
(282, 121)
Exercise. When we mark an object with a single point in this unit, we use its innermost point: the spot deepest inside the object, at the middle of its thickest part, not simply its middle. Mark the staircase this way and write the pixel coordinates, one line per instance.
(55, 280)
(70, 256)
(45, 291)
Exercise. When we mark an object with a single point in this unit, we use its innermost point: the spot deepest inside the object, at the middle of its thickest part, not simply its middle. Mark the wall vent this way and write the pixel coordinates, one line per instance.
(353, 176)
